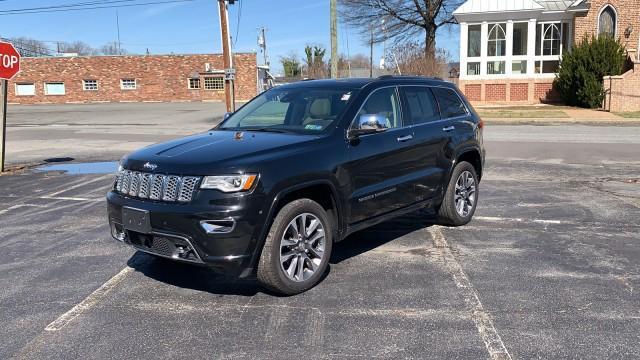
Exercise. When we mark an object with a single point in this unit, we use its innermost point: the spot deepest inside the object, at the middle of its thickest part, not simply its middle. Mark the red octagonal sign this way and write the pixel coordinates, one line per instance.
(9, 61)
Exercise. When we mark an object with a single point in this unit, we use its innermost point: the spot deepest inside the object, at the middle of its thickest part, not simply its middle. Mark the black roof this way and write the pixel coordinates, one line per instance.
(358, 83)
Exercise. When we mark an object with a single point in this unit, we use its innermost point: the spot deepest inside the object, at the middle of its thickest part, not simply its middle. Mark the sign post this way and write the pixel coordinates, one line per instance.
(9, 67)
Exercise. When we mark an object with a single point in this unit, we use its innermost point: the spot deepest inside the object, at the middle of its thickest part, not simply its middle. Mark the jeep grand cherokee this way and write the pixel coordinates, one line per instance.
(268, 191)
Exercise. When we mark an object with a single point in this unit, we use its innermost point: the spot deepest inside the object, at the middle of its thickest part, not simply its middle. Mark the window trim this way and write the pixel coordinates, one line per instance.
(135, 84)
(84, 85)
(204, 83)
(25, 83)
(54, 82)
(367, 99)
(189, 83)
(615, 24)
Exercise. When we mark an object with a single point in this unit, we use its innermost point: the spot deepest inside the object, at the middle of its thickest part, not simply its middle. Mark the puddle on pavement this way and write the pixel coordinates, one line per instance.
(106, 167)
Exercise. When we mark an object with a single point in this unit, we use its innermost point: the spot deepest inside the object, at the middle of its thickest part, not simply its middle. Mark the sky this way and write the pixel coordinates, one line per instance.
(193, 27)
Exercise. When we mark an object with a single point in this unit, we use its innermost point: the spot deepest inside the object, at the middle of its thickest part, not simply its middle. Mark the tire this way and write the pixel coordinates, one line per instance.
(313, 252)
(448, 213)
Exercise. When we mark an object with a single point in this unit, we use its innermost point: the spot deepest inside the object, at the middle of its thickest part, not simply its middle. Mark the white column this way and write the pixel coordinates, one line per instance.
(509, 49)
(483, 48)
(464, 41)
(531, 47)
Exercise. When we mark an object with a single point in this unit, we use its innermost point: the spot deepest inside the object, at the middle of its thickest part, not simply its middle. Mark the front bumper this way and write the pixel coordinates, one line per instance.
(218, 230)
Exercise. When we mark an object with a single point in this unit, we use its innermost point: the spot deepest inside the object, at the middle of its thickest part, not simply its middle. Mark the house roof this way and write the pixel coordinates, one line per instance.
(498, 6)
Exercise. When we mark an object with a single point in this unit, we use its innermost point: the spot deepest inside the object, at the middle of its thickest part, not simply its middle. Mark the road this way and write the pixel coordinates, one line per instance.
(549, 268)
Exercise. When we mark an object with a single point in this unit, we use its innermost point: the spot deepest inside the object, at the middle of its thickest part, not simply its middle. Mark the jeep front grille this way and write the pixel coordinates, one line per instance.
(156, 186)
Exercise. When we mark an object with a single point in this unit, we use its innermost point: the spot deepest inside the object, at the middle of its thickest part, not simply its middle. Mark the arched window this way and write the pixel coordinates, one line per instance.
(497, 41)
(607, 21)
(551, 40)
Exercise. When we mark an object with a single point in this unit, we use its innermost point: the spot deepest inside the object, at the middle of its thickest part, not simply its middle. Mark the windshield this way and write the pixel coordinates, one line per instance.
(299, 110)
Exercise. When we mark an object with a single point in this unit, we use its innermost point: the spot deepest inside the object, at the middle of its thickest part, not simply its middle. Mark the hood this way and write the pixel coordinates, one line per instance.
(209, 152)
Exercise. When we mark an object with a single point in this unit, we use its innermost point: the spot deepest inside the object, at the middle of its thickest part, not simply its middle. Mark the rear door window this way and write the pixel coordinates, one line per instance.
(421, 105)
(450, 103)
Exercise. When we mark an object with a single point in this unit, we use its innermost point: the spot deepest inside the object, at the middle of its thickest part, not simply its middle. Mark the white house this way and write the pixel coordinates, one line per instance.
(510, 50)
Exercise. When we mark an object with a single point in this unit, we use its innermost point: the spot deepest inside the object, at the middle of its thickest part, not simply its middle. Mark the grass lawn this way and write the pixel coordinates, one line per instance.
(629, 115)
(522, 114)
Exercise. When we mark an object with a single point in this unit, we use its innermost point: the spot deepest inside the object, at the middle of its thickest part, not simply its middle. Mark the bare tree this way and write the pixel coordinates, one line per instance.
(409, 57)
(400, 19)
(112, 48)
(30, 47)
(77, 47)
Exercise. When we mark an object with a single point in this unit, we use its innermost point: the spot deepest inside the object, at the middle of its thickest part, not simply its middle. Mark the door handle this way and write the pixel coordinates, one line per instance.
(448, 128)
(405, 138)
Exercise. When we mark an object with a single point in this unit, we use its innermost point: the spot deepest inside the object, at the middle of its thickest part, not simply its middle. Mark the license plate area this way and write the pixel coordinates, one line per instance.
(136, 220)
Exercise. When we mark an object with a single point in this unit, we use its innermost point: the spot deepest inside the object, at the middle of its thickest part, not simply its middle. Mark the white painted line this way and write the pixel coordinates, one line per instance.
(480, 316)
(69, 198)
(83, 183)
(89, 301)
(501, 219)
(14, 207)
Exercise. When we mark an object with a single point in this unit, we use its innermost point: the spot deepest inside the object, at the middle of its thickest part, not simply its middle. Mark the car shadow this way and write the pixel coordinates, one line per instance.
(381, 234)
(200, 278)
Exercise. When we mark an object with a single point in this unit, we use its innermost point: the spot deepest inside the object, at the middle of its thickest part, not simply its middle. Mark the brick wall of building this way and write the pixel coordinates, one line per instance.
(496, 92)
(158, 78)
(628, 12)
(622, 93)
(524, 91)
(519, 92)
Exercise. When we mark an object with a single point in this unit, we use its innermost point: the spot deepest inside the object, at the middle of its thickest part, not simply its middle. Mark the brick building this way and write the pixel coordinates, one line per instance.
(510, 51)
(85, 79)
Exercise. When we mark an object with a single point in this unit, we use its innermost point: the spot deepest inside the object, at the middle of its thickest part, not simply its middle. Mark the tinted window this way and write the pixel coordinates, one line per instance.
(421, 106)
(304, 110)
(450, 103)
(383, 102)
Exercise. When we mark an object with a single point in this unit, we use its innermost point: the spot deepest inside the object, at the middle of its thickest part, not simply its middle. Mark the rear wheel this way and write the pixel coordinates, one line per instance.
(461, 198)
(297, 249)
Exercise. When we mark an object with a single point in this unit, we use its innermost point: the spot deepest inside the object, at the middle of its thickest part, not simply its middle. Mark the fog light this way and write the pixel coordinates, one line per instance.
(117, 231)
(218, 226)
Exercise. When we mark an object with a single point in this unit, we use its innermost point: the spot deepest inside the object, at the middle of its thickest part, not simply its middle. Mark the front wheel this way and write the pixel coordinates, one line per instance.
(297, 249)
(461, 197)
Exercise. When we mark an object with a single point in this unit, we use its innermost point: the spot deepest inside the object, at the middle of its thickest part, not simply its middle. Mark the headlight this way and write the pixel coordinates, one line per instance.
(229, 183)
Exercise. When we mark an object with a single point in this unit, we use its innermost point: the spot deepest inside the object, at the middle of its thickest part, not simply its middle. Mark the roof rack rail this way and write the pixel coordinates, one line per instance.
(308, 79)
(383, 77)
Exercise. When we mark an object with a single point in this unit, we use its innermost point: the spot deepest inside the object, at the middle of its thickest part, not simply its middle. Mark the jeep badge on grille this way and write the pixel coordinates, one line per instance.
(150, 166)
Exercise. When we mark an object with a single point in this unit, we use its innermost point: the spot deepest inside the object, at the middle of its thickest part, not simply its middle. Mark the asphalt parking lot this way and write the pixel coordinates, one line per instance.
(549, 268)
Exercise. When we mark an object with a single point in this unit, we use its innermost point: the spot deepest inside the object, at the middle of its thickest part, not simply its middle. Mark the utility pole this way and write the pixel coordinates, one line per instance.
(4, 85)
(226, 55)
(262, 43)
(118, 27)
(334, 39)
(371, 53)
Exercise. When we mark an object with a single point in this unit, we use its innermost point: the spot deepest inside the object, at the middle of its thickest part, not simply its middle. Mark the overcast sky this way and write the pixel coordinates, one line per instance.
(192, 27)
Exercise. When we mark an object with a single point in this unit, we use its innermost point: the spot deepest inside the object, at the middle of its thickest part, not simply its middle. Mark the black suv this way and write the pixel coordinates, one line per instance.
(269, 190)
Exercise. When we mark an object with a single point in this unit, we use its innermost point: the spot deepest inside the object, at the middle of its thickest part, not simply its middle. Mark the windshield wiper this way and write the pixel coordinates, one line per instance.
(261, 130)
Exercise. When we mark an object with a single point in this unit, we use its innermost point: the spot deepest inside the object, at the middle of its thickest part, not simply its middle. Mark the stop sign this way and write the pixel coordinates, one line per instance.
(9, 61)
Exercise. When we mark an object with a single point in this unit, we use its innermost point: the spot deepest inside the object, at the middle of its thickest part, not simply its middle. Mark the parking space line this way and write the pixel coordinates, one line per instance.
(83, 183)
(70, 198)
(481, 318)
(89, 301)
(14, 207)
(501, 219)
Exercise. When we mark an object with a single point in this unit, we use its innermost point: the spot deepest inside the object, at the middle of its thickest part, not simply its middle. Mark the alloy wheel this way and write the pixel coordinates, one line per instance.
(302, 247)
(465, 194)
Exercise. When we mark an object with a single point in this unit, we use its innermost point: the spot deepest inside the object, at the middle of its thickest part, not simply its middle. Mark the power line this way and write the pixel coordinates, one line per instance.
(95, 7)
(62, 6)
(235, 39)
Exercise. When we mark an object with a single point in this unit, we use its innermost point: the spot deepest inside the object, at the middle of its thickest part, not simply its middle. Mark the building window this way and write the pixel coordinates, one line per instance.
(473, 68)
(551, 39)
(520, 37)
(128, 84)
(25, 89)
(213, 83)
(497, 41)
(519, 67)
(495, 67)
(90, 85)
(194, 83)
(474, 40)
(607, 22)
(54, 88)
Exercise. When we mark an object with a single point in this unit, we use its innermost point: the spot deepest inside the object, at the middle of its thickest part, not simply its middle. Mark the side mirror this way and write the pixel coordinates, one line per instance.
(226, 116)
(368, 124)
